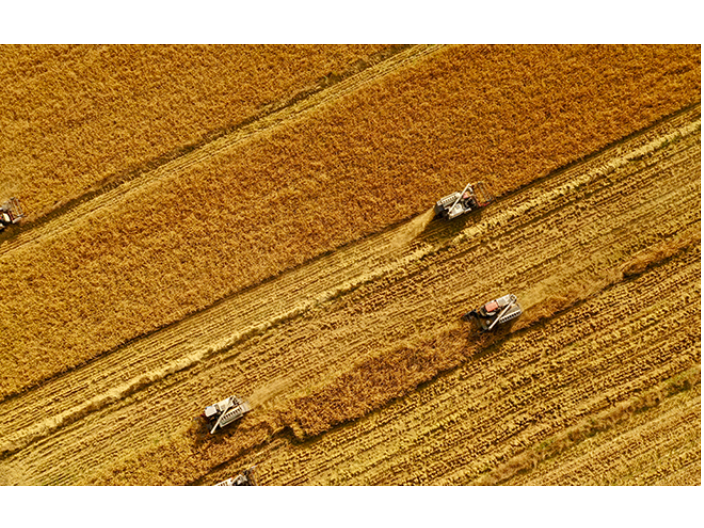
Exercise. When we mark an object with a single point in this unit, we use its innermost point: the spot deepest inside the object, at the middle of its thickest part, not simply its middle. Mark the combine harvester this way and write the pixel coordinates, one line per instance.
(472, 197)
(225, 412)
(496, 312)
(243, 479)
(10, 213)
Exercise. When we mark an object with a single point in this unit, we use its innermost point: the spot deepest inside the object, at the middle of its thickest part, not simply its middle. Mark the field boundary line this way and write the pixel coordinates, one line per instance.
(62, 219)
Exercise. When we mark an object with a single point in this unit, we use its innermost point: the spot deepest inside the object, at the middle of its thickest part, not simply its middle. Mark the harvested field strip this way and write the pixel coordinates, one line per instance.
(260, 431)
(632, 452)
(346, 170)
(381, 379)
(409, 305)
(471, 420)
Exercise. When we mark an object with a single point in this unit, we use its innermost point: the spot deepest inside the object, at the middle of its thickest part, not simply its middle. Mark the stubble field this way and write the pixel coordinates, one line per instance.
(312, 280)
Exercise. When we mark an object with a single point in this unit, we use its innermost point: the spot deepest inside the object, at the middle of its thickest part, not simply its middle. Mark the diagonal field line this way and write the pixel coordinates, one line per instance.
(291, 113)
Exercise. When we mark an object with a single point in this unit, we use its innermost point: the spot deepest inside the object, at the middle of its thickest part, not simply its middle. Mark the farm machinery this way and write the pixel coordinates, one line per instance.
(223, 413)
(10, 213)
(243, 479)
(496, 312)
(472, 197)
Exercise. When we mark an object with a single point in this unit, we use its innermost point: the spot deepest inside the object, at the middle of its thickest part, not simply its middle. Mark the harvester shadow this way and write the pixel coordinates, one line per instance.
(200, 436)
(482, 344)
(440, 231)
(9, 232)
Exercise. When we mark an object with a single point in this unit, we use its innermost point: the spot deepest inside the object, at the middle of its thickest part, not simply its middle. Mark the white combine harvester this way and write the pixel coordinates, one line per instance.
(496, 312)
(243, 479)
(10, 213)
(472, 197)
(225, 412)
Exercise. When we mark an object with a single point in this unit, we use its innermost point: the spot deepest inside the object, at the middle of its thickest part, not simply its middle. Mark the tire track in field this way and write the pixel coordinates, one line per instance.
(70, 219)
(286, 360)
(624, 456)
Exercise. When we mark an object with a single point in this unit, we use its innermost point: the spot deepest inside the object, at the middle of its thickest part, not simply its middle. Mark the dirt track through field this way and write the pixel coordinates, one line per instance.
(297, 333)
(299, 109)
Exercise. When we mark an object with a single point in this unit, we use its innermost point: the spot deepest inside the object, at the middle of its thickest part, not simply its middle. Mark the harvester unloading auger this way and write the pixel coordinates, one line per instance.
(473, 196)
(10, 213)
(496, 312)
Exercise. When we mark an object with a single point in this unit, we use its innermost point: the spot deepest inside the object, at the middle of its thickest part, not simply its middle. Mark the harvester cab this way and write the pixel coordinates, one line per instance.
(496, 312)
(225, 412)
(473, 196)
(10, 213)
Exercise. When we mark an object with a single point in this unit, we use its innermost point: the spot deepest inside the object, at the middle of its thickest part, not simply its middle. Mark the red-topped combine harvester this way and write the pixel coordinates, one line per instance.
(496, 312)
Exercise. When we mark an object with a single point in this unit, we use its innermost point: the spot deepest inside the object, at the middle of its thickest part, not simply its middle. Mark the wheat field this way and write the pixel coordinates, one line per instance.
(282, 247)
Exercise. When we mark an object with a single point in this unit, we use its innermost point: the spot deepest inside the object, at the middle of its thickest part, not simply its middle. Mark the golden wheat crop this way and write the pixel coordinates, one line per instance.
(385, 152)
(75, 116)
(369, 335)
